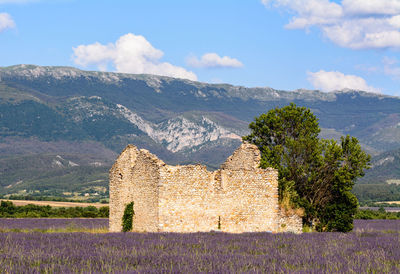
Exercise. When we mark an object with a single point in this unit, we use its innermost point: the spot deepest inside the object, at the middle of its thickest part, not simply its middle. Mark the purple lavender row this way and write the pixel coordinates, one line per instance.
(42, 223)
(199, 253)
(377, 225)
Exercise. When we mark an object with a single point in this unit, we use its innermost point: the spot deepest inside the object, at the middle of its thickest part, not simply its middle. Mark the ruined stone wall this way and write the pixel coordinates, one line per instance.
(249, 200)
(187, 201)
(246, 157)
(134, 178)
(249, 194)
(120, 181)
(239, 197)
(194, 199)
(144, 192)
(290, 222)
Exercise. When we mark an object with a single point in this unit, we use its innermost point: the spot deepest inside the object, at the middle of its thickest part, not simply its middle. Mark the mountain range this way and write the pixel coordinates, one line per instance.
(61, 128)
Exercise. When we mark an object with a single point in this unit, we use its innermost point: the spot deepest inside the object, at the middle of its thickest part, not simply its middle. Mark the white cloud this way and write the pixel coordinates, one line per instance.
(130, 54)
(335, 80)
(213, 60)
(371, 7)
(6, 22)
(355, 24)
(94, 54)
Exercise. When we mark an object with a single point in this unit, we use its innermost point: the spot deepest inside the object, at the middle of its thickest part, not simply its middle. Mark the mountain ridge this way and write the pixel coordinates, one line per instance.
(60, 72)
(181, 121)
(159, 102)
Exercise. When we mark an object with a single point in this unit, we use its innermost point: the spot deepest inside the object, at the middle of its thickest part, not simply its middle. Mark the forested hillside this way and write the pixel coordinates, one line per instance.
(87, 118)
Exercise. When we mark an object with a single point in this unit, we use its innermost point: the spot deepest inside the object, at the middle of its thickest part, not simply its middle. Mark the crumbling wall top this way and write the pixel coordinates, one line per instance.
(131, 153)
(147, 155)
(246, 157)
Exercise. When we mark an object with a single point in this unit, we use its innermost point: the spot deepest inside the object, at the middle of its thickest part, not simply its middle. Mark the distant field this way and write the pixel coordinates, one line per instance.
(54, 204)
(390, 202)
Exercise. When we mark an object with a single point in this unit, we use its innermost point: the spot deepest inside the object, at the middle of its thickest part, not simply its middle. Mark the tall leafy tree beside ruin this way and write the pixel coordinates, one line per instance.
(314, 174)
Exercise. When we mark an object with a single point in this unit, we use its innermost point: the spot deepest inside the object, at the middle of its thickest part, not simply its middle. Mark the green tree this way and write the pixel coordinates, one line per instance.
(314, 174)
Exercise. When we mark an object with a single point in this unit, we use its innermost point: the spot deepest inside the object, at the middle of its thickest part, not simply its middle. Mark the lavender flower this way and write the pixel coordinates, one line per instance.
(370, 249)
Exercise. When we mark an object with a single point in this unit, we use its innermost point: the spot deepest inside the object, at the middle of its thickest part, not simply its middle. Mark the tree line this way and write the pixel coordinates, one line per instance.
(368, 214)
(9, 210)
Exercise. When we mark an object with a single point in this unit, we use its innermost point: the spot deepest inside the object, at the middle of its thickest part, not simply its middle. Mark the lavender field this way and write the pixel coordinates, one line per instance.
(377, 225)
(52, 224)
(374, 247)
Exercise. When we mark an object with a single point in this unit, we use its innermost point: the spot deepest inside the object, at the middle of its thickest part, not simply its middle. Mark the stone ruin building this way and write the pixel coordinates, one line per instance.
(238, 197)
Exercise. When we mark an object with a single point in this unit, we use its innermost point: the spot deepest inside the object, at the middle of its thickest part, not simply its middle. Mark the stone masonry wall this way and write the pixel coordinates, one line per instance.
(249, 196)
(248, 201)
(134, 177)
(120, 178)
(187, 201)
(290, 222)
(144, 192)
(239, 197)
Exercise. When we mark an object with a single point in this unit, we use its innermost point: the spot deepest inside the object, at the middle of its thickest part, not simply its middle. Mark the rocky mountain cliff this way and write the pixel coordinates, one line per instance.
(94, 115)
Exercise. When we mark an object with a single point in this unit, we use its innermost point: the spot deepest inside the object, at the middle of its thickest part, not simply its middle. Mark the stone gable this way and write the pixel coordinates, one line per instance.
(239, 197)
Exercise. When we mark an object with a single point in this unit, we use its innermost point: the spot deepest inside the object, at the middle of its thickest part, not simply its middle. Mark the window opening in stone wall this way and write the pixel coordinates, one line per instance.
(120, 175)
(219, 222)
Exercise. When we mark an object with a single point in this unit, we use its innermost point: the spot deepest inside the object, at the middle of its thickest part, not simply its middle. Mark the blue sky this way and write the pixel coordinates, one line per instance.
(283, 44)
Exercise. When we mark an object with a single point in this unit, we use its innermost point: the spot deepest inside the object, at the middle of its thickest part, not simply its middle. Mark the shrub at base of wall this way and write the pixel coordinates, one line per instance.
(127, 218)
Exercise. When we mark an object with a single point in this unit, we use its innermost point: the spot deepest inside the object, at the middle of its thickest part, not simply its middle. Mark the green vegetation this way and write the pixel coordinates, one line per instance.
(314, 174)
(9, 210)
(30, 118)
(382, 181)
(368, 214)
(371, 193)
(385, 168)
(53, 176)
(127, 218)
